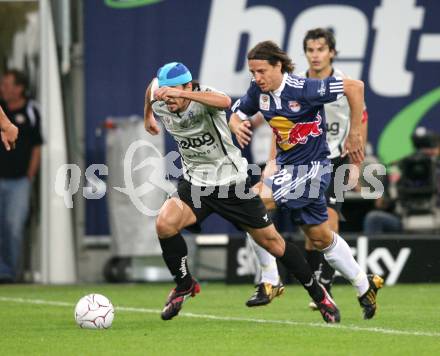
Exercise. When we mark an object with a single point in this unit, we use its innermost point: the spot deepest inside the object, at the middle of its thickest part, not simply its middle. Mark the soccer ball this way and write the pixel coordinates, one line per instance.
(94, 311)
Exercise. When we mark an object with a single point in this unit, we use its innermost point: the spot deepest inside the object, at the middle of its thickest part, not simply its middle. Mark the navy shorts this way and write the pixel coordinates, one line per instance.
(301, 189)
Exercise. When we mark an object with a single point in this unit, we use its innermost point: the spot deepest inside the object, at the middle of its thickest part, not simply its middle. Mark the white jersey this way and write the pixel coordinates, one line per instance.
(337, 115)
(209, 157)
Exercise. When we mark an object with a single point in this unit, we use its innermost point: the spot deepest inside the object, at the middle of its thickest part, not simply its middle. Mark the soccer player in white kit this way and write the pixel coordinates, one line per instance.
(320, 49)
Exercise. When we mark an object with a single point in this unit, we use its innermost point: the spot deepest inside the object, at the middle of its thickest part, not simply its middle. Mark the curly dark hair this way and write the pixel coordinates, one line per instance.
(271, 52)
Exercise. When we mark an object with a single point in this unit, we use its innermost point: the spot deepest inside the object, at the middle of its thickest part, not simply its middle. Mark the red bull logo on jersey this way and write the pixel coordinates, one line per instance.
(288, 134)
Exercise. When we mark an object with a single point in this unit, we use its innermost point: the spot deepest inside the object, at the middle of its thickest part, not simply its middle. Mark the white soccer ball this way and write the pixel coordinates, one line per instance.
(94, 311)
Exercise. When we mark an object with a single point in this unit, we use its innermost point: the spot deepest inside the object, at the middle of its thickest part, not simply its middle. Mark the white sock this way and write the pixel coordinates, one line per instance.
(267, 264)
(339, 256)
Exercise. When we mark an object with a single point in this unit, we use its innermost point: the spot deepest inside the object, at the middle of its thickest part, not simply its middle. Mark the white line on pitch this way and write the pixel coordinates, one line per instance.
(249, 320)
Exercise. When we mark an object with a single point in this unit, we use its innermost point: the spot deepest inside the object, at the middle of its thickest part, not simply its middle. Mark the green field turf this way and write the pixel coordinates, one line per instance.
(217, 322)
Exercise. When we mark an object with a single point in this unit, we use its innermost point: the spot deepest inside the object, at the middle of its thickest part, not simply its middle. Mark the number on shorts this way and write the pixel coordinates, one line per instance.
(281, 177)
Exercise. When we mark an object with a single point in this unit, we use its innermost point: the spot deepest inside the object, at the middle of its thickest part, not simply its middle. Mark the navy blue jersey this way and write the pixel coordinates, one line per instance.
(296, 115)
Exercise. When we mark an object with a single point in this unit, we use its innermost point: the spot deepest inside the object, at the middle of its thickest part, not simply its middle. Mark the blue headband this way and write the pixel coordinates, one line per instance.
(172, 74)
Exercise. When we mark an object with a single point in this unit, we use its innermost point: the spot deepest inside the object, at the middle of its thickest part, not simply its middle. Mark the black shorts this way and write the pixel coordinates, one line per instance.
(223, 200)
(330, 195)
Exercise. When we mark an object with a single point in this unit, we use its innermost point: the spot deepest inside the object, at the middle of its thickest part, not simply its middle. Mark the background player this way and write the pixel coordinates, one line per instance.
(320, 49)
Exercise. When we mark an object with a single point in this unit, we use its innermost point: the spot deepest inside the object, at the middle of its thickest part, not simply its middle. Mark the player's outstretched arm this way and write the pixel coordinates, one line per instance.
(149, 120)
(209, 98)
(9, 132)
(241, 129)
(354, 146)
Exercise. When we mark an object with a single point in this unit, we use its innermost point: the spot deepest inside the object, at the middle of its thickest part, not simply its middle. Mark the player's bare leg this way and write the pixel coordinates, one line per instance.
(173, 217)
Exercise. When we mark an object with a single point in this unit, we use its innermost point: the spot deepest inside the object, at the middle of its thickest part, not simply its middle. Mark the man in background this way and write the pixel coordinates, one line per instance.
(17, 170)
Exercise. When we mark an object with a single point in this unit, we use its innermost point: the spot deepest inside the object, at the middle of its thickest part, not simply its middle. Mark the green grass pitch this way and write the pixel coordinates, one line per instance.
(217, 322)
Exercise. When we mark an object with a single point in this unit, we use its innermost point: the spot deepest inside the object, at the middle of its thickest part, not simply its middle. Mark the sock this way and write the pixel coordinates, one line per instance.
(267, 264)
(327, 273)
(314, 259)
(175, 254)
(296, 264)
(339, 256)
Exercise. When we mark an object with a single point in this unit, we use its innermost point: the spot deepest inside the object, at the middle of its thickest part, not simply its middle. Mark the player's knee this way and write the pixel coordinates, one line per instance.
(165, 227)
(318, 244)
(273, 246)
(322, 242)
(276, 250)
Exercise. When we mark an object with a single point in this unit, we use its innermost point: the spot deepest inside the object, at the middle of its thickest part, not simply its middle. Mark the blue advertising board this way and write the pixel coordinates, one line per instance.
(393, 46)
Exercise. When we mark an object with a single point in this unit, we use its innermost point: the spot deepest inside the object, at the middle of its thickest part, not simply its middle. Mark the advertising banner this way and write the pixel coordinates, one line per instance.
(393, 46)
(399, 259)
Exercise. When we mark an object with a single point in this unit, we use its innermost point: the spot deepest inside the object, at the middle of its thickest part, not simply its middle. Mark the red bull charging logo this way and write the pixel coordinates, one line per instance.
(288, 134)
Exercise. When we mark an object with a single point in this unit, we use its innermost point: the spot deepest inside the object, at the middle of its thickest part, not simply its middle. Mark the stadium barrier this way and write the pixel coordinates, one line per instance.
(406, 258)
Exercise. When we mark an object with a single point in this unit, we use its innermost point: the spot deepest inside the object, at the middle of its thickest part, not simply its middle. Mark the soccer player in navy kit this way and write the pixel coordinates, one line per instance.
(320, 49)
(293, 107)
